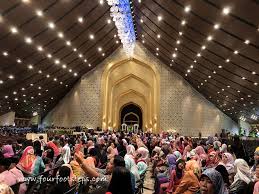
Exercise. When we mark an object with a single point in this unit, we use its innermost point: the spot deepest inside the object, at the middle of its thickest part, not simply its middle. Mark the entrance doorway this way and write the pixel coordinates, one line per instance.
(131, 114)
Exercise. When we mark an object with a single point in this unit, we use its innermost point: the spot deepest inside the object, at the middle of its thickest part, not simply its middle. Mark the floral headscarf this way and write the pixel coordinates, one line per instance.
(216, 180)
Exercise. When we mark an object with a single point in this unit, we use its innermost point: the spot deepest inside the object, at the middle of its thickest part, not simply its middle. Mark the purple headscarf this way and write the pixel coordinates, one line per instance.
(8, 151)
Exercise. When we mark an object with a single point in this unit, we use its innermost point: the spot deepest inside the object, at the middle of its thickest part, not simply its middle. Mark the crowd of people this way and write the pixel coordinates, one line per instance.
(117, 162)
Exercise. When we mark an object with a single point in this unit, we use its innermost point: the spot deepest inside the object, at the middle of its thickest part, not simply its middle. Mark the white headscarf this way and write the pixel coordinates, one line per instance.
(243, 171)
(130, 150)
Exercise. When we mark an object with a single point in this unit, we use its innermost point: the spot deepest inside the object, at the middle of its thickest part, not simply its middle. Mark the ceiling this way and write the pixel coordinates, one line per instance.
(47, 45)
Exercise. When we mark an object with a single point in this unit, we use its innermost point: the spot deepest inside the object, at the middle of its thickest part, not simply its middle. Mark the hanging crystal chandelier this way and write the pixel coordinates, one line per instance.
(121, 13)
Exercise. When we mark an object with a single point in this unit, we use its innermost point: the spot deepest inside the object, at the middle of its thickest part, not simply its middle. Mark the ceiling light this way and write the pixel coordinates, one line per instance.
(195, 61)
(247, 41)
(89, 65)
(103, 54)
(49, 56)
(186, 74)
(74, 49)
(255, 83)
(39, 94)
(159, 18)
(171, 64)
(238, 91)
(6, 97)
(26, 1)
(188, 70)
(249, 96)
(183, 22)
(101, 2)
(28, 40)
(14, 92)
(14, 30)
(109, 21)
(209, 38)
(55, 79)
(158, 36)
(39, 88)
(19, 60)
(157, 54)
(191, 66)
(80, 19)
(253, 72)
(226, 10)
(32, 97)
(223, 89)
(209, 76)
(40, 72)
(31, 84)
(91, 36)
(216, 26)
(48, 76)
(243, 78)
(214, 72)
(80, 55)
(174, 55)
(157, 49)
(70, 70)
(198, 54)
(203, 47)
(5, 53)
(1, 81)
(100, 49)
(30, 66)
(175, 49)
(236, 52)
(16, 99)
(39, 13)
(227, 60)
(85, 60)
(60, 35)
(40, 48)
(11, 77)
(220, 66)
(75, 74)
(61, 83)
(141, 21)
(228, 86)
(117, 42)
(178, 42)
(68, 43)
(64, 66)
(187, 8)
(23, 89)
(180, 33)
(57, 61)
(51, 25)
(143, 41)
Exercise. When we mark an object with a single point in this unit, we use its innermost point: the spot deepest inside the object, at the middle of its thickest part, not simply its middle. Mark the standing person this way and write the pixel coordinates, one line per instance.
(66, 153)
(211, 182)
(27, 160)
(256, 158)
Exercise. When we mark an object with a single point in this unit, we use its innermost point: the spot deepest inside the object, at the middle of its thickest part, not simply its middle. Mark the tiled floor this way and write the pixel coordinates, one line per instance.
(149, 183)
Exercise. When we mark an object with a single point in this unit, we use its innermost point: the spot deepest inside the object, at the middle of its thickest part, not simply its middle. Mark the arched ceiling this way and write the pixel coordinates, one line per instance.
(47, 45)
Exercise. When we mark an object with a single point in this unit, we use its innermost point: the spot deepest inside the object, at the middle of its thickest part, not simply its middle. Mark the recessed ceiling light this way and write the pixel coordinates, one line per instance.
(31, 84)
(51, 25)
(109, 21)
(187, 8)
(157, 49)
(171, 64)
(195, 61)
(227, 60)
(40, 48)
(75, 74)
(159, 18)
(68, 43)
(143, 41)
(91, 36)
(80, 55)
(236, 52)
(180, 33)
(101, 2)
(183, 22)
(188, 70)
(30, 66)
(157, 54)
(209, 76)
(203, 47)
(60, 35)
(28, 40)
(216, 26)
(14, 92)
(11, 77)
(55, 79)
(228, 86)
(70, 70)
(57, 61)
(32, 97)
(85, 60)
(61, 83)
(238, 91)
(80, 19)
(103, 54)
(16, 99)
(23, 89)
(49, 56)
(214, 72)
(89, 65)
(117, 42)
(198, 54)
(19, 60)
(48, 76)
(178, 42)
(220, 66)
(174, 55)
(255, 83)
(253, 72)
(39, 13)
(74, 49)
(1, 81)
(40, 72)
(247, 41)
(39, 88)
(6, 97)
(64, 66)
(100, 49)
(14, 30)
(5, 53)
(243, 78)
(175, 49)
(191, 66)
(209, 38)
(226, 10)
(141, 20)
(158, 36)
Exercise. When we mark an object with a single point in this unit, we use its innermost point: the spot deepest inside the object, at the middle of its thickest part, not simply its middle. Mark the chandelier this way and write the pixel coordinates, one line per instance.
(121, 14)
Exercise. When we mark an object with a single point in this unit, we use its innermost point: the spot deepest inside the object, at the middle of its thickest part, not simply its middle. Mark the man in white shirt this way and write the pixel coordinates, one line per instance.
(66, 153)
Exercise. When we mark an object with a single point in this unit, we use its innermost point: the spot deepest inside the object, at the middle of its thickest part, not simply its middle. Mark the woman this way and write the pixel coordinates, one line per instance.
(120, 182)
(224, 173)
(26, 163)
(5, 189)
(77, 170)
(211, 182)
(112, 150)
(213, 160)
(228, 162)
(190, 181)
(130, 162)
(142, 160)
(242, 177)
(38, 166)
(8, 151)
(175, 178)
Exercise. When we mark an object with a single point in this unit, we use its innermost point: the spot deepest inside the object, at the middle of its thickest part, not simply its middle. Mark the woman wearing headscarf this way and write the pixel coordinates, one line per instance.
(228, 162)
(223, 148)
(5, 189)
(178, 155)
(26, 163)
(190, 181)
(242, 177)
(213, 160)
(8, 151)
(130, 162)
(186, 153)
(175, 178)
(142, 160)
(211, 182)
(224, 173)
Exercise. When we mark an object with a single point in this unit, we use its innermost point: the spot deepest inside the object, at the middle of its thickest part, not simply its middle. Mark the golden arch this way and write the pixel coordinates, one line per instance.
(128, 81)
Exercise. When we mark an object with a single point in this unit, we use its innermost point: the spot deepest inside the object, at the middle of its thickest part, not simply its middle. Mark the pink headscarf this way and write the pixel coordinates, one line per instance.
(27, 160)
(8, 151)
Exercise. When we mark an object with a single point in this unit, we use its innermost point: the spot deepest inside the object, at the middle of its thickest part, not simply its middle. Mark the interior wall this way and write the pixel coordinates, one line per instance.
(7, 119)
(182, 108)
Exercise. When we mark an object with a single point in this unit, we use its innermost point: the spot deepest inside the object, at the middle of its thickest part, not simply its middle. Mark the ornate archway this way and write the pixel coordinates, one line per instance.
(130, 81)
(131, 114)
